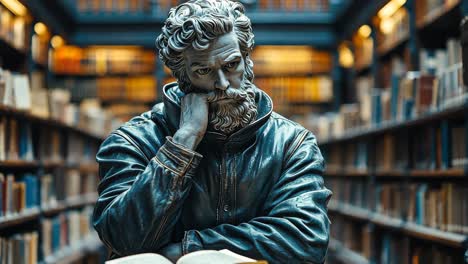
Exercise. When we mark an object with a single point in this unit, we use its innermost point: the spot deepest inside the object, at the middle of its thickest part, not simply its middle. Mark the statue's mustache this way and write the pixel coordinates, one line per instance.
(230, 93)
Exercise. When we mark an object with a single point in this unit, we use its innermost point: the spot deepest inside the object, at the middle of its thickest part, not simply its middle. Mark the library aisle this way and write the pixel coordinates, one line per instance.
(381, 83)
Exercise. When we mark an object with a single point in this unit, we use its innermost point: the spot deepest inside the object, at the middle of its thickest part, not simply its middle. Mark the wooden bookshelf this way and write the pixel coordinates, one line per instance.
(418, 231)
(356, 173)
(345, 255)
(308, 74)
(80, 201)
(84, 167)
(435, 235)
(92, 168)
(26, 164)
(70, 203)
(415, 151)
(439, 173)
(19, 164)
(26, 115)
(346, 173)
(49, 164)
(453, 172)
(27, 215)
(333, 173)
(43, 175)
(128, 101)
(436, 174)
(386, 221)
(97, 75)
(389, 173)
(355, 212)
(391, 126)
(71, 254)
(333, 206)
(53, 210)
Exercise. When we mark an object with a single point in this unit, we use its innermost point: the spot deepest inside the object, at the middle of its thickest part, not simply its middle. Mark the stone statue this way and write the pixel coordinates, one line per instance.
(212, 167)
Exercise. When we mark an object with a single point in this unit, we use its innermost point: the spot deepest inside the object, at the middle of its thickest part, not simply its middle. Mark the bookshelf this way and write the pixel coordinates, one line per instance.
(26, 216)
(411, 229)
(71, 254)
(297, 78)
(345, 255)
(141, 7)
(48, 177)
(123, 78)
(396, 151)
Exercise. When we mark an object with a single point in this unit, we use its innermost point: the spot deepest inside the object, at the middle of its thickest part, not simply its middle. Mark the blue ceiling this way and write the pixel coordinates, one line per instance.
(322, 29)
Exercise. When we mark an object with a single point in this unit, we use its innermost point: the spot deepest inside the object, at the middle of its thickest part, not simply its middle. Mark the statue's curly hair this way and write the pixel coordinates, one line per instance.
(197, 23)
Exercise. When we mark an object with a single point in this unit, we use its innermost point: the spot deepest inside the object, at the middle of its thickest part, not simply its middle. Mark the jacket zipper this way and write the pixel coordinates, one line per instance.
(222, 186)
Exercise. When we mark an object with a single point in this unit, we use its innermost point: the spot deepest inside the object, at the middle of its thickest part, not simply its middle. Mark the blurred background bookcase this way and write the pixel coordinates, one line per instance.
(48, 174)
(397, 146)
(378, 82)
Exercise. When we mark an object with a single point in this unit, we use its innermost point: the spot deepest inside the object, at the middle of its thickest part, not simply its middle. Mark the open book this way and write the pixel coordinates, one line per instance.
(200, 257)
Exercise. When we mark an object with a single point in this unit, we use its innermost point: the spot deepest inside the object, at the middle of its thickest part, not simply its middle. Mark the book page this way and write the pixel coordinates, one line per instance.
(146, 258)
(241, 258)
(211, 256)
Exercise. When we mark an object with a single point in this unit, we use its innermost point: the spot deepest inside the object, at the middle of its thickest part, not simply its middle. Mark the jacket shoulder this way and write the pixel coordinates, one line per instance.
(287, 126)
(148, 130)
(283, 135)
(296, 139)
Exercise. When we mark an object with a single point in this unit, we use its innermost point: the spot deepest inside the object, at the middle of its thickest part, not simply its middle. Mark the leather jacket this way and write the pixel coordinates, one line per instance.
(258, 192)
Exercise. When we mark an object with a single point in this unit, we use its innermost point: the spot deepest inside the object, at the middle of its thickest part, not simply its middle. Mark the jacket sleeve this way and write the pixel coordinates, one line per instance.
(139, 197)
(294, 227)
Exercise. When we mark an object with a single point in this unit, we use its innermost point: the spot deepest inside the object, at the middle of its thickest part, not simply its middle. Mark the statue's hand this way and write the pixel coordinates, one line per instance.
(193, 120)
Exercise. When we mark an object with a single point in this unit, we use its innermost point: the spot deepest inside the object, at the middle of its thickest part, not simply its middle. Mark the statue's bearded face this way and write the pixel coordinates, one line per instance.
(219, 70)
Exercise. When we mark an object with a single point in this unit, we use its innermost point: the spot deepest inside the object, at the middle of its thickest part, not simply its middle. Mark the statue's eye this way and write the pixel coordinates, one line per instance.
(203, 71)
(231, 65)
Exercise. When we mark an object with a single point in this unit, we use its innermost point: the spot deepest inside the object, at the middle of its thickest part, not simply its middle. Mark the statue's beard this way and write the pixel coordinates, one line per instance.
(233, 115)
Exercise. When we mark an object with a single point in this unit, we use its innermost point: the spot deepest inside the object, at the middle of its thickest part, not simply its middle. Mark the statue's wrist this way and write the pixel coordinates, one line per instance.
(187, 138)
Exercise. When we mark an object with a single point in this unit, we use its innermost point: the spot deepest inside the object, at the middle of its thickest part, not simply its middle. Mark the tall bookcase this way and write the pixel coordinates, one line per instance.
(397, 151)
(123, 78)
(48, 175)
(297, 78)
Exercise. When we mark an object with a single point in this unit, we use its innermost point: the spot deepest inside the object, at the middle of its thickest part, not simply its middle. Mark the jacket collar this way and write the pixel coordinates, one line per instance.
(171, 100)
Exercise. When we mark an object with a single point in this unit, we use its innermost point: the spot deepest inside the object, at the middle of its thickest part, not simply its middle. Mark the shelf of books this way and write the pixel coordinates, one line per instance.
(122, 78)
(296, 78)
(48, 175)
(160, 7)
(397, 151)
